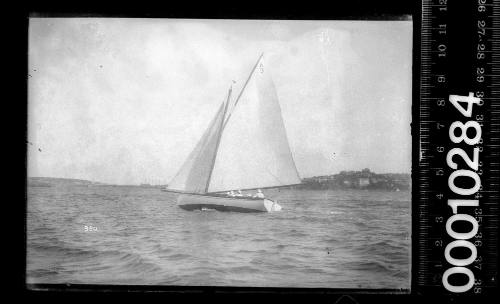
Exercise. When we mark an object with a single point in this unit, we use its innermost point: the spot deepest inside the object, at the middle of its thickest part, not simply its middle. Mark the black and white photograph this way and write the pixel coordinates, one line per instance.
(219, 152)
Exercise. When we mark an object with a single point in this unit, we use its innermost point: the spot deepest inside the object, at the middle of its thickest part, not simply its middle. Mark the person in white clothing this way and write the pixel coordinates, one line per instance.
(259, 194)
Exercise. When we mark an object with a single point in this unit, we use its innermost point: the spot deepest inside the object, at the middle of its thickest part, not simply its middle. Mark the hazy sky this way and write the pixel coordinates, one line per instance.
(125, 100)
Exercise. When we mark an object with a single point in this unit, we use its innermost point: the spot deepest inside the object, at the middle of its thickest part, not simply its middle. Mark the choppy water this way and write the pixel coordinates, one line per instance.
(334, 239)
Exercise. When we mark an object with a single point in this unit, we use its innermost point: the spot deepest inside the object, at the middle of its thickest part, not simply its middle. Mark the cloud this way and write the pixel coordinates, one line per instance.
(125, 100)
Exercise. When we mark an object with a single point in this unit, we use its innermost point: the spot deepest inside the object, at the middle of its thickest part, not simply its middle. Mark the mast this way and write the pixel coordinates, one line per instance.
(216, 165)
(219, 136)
(243, 89)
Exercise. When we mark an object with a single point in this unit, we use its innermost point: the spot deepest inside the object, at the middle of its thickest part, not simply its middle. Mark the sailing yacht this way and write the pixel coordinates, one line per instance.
(245, 147)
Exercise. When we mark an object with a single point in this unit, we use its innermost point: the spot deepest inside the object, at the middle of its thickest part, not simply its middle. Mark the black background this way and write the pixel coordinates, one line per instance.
(460, 62)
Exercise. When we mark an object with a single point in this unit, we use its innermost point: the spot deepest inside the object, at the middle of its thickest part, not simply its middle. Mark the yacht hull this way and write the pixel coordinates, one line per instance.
(221, 203)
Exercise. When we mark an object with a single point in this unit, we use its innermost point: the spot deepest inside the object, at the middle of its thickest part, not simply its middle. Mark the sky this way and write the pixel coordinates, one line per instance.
(124, 101)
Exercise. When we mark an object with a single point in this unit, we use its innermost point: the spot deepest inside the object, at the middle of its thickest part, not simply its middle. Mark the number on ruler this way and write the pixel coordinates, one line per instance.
(470, 100)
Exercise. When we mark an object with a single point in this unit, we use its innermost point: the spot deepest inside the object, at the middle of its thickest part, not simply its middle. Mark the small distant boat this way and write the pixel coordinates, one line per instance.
(245, 147)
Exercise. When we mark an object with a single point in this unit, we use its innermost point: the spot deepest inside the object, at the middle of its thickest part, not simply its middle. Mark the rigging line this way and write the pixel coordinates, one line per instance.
(256, 164)
(252, 161)
(265, 168)
(275, 177)
(242, 89)
(219, 136)
(196, 147)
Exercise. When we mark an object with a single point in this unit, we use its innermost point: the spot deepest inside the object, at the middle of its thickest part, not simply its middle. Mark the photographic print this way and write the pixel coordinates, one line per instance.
(192, 152)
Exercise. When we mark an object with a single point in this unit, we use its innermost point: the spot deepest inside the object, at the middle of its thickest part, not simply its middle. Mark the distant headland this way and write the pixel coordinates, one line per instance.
(56, 181)
(364, 179)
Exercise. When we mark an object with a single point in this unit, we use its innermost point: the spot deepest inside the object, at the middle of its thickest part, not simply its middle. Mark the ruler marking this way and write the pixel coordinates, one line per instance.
(429, 160)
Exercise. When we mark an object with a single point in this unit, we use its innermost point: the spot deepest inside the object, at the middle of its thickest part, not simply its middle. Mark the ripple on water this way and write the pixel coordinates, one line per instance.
(321, 238)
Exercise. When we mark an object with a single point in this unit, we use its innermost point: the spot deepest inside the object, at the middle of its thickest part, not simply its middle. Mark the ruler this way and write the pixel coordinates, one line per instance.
(456, 163)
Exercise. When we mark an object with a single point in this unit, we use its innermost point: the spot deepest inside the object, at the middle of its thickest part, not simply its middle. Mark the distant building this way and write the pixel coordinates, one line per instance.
(364, 181)
(358, 179)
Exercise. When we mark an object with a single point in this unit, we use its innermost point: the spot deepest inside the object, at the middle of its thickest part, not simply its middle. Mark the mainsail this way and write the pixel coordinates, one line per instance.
(245, 149)
(254, 150)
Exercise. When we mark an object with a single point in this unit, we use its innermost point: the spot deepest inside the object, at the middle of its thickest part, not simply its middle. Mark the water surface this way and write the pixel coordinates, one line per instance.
(334, 239)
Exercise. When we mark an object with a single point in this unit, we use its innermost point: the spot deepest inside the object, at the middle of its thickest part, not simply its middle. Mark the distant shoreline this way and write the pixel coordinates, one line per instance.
(364, 180)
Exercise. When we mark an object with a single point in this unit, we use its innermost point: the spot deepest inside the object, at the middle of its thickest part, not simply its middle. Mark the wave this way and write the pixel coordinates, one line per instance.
(178, 256)
(336, 212)
(362, 224)
(170, 280)
(246, 251)
(312, 270)
(296, 233)
(40, 273)
(374, 266)
(96, 260)
(58, 250)
(280, 246)
(147, 240)
(243, 269)
(266, 239)
(134, 263)
(385, 246)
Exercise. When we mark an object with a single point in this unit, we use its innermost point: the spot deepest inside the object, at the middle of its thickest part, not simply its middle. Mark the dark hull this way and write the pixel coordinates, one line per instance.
(192, 207)
(209, 202)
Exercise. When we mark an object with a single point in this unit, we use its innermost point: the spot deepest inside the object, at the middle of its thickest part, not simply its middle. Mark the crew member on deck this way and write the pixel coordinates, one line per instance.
(231, 193)
(259, 194)
(239, 193)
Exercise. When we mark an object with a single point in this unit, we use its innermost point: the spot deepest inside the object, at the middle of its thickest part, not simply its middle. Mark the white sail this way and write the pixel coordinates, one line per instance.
(254, 150)
(194, 174)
